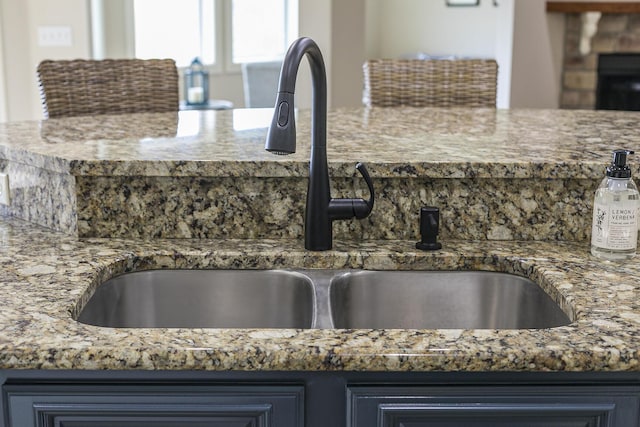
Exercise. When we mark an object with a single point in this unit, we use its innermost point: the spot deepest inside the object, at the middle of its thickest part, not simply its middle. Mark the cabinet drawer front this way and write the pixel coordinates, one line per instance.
(157, 415)
(147, 406)
(493, 406)
(495, 415)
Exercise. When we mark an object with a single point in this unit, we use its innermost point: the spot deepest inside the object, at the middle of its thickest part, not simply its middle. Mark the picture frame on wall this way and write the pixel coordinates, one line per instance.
(463, 2)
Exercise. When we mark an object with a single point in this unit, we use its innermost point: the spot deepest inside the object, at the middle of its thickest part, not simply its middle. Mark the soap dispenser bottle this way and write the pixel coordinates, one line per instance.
(614, 233)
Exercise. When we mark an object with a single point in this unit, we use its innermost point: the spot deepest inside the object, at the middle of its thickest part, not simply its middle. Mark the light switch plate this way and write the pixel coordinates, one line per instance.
(5, 193)
(54, 36)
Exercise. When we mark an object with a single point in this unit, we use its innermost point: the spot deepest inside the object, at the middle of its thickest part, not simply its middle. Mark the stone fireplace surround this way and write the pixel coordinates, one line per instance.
(616, 33)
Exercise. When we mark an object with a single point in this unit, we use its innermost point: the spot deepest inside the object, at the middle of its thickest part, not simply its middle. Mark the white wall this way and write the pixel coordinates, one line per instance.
(315, 22)
(347, 32)
(537, 56)
(114, 26)
(405, 27)
(338, 27)
(504, 51)
(20, 22)
(16, 59)
(3, 93)
(348, 25)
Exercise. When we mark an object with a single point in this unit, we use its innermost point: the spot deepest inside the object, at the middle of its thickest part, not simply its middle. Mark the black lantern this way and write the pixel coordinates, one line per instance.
(196, 83)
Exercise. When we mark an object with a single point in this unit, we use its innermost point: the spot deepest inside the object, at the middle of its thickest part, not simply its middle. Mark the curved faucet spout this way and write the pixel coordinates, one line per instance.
(321, 210)
(281, 138)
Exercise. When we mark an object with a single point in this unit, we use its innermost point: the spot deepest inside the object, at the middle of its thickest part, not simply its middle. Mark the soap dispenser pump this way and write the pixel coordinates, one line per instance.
(614, 233)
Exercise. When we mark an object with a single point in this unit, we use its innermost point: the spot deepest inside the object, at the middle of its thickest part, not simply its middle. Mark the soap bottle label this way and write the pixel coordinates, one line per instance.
(615, 227)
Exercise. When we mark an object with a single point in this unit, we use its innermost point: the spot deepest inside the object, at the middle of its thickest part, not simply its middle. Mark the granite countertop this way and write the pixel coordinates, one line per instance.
(46, 275)
(394, 142)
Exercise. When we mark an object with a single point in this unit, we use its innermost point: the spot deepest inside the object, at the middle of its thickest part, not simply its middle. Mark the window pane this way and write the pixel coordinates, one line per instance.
(181, 30)
(259, 30)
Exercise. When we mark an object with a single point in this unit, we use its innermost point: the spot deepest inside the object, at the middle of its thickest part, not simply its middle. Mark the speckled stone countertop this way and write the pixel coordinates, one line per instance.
(46, 276)
(494, 174)
(394, 142)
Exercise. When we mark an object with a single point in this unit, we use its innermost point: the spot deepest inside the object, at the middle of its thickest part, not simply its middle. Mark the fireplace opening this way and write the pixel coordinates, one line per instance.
(618, 82)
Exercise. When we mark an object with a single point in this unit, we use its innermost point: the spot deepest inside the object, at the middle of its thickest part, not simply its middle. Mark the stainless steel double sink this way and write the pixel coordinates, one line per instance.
(321, 299)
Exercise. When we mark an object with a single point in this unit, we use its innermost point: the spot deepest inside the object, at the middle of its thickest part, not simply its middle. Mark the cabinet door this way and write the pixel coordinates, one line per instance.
(154, 406)
(552, 406)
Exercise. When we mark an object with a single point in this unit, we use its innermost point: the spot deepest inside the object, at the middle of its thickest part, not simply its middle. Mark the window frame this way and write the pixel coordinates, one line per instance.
(290, 31)
(223, 33)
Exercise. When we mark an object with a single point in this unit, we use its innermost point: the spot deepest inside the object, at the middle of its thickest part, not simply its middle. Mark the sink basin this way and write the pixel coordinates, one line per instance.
(323, 298)
(203, 299)
(441, 300)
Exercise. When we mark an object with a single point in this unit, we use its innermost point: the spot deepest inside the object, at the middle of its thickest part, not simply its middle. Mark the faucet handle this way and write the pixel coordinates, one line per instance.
(350, 208)
(362, 208)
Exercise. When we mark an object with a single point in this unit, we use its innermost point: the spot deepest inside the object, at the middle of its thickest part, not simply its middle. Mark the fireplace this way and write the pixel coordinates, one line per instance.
(618, 82)
(617, 34)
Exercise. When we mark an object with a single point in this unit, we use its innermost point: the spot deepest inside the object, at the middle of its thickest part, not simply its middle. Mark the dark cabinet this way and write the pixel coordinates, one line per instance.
(32, 398)
(154, 406)
(528, 406)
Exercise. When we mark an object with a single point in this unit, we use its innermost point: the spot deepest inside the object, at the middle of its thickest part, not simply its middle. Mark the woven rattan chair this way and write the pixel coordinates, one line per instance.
(430, 83)
(110, 86)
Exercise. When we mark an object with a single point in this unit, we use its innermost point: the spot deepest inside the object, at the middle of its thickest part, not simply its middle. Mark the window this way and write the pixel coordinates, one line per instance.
(259, 30)
(165, 29)
(222, 33)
